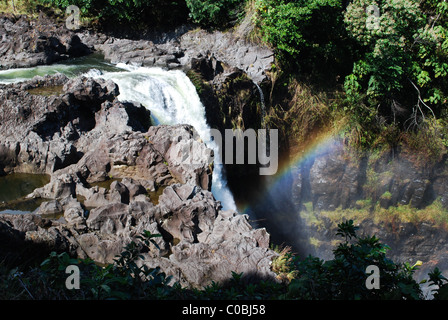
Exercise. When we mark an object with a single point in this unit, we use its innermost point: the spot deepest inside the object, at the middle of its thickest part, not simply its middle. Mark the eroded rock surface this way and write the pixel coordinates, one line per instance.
(28, 43)
(113, 175)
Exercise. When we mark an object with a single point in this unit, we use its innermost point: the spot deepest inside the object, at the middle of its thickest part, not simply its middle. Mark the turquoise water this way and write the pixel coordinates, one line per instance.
(169, 95)
(71, 68)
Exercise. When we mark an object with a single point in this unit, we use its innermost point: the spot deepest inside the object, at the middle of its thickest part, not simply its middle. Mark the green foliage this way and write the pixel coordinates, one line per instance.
(437, 279)
(403, 59)
(283, 265)
(124, 279)
(393, 69)
(344, 277)
(305, 33)
(214, 13)
(148, 12)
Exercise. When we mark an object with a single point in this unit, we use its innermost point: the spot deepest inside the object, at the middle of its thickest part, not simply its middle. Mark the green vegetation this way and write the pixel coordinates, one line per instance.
(384, 74)
(344, 277)
(435, 214)
(142, 13)
(401, 70)
(304, 33)
(214, 13)
(341, 277)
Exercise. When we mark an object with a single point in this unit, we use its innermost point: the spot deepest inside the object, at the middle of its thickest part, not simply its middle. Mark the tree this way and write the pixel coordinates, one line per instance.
(404, 58)
(139, 12)
(214, 13)
(305, 31)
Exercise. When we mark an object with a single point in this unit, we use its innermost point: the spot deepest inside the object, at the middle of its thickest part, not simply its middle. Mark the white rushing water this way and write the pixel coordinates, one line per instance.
(169, 95)
(263, 106)
(172, 99)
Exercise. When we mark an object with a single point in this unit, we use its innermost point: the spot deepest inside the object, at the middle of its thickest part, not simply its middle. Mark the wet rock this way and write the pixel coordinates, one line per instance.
(199, 242)
(88, 89)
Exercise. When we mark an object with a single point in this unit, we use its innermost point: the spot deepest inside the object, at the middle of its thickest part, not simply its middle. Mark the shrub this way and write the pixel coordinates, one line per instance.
(344, 277)
(147, 12)
(401, 72)
(214, 13)
(303, 32)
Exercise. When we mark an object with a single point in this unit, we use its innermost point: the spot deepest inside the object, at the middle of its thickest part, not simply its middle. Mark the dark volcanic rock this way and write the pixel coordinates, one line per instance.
(41, 134)
(28, 43)
(113, 175)
(179, 49)
(336, 178)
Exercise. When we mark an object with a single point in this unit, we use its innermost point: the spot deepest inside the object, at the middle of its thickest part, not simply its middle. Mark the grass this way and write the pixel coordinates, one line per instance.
(428, 145)
(304, 115)
(18, 7)
(386, 195)
(434, 214)
(283, 264)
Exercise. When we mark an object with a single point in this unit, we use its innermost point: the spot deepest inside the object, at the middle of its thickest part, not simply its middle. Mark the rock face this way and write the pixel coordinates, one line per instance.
(385, 194)
(42, 134)
(26, 43)
(229, 49)
(179, 49)
(334, 178)
(113, 175)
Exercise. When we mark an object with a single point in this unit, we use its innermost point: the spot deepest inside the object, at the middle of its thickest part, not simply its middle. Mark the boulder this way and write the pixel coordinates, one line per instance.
(27, 43)
(108, 165)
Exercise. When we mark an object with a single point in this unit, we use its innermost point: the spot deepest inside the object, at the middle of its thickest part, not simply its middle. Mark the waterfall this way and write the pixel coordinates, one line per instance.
(169, 95)
(263, 106)
(172, 99)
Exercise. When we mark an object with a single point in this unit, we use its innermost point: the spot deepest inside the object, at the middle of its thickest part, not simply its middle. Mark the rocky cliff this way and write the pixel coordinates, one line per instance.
(385, 193)
(28, 43)
(113, 175)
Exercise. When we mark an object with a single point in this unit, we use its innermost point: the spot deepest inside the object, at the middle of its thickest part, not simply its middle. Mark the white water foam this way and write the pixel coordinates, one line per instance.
(169, 95)
(172, 99)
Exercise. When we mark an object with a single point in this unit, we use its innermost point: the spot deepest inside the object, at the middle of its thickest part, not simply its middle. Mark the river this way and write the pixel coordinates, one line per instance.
(169, 95)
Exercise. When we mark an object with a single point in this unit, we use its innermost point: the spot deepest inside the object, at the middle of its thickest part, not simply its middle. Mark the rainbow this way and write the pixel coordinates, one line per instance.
(318, 144)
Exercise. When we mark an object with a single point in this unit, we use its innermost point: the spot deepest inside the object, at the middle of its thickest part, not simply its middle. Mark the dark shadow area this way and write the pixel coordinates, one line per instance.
(16, 251)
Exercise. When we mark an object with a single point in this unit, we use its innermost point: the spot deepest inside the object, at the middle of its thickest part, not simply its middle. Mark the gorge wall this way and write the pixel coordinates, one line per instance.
(83, 136)
(385, 194)
(299, 208)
